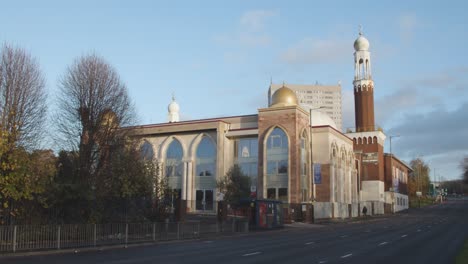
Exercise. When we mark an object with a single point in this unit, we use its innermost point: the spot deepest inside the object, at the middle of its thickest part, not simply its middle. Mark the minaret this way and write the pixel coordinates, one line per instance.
(363, 86)
(173, 111)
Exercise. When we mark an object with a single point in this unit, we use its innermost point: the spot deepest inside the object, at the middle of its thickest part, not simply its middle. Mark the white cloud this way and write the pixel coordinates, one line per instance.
(315, 51)
(255, 20)
(250, 31)
(407, 24)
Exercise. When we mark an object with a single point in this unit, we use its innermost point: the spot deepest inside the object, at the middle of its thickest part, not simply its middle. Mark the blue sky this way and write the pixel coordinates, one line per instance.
(218, 58)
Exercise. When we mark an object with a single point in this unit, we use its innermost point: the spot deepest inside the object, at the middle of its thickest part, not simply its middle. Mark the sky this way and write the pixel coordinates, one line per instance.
(218, 58)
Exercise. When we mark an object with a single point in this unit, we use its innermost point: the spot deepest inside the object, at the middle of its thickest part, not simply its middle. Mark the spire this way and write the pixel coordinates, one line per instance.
(360, 30)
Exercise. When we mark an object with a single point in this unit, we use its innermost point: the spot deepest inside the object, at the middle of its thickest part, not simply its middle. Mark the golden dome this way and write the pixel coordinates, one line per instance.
(283, 97)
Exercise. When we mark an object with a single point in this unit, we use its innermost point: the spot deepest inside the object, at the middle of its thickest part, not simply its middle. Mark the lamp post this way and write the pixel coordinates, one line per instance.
(391, 168)
(311, 155)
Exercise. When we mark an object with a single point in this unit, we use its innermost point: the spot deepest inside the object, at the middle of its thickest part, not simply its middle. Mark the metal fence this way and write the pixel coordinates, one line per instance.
(47, 237)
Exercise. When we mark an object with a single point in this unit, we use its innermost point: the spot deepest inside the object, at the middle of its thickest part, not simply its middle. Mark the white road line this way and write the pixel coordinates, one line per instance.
(209, 241)
(251, 254)
(322, 261)
(308, 243)
(383, 243)
(404, 235)
(419, 230)
(343, 236)
(346, 256)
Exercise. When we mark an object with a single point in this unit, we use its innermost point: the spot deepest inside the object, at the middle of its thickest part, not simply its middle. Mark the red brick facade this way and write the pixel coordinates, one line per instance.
(293, 120)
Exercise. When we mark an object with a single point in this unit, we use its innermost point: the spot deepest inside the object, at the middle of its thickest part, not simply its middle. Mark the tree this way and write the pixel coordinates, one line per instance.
(22, 116)
(419, 181)
(464, 167)
(23, 101)
(93, 102)
(235, 185)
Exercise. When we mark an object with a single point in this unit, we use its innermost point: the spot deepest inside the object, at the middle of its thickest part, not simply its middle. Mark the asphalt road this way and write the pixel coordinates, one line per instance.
(427, 235)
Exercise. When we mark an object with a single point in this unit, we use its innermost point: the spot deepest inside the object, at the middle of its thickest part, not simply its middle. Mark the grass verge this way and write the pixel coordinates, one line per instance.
(462, 257)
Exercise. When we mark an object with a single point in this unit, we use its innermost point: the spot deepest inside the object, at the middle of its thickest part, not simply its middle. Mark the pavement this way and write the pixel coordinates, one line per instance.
(426, 235)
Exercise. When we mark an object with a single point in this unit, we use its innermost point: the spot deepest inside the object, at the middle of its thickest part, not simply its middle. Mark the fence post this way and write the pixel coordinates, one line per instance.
(58, 237)
(154, 231)
(95, 236)
(14, 239)
(126, 234)
(178, 230)
(246, 227)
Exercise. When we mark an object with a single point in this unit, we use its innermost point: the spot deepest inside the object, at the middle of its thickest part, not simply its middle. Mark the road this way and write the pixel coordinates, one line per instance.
(427, 235)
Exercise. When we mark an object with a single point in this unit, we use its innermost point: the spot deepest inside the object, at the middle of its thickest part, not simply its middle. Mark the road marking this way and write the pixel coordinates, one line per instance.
(343, 236)
(383, 243)
(368, 231)
(404, 235)
(308, 243)
(251, 254)
(209, 241)
(419, 230)
(322, 261)
(346, 256)
(429, 226)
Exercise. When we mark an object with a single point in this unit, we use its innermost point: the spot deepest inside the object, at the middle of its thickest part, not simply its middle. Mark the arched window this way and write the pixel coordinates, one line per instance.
(277, 151)
(146, 151)
(174, 154)
(304, 179)
(206, 158)
(205, 182)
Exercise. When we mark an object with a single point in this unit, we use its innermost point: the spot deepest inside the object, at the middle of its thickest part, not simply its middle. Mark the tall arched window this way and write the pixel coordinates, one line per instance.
(206, 158)
(146, 151)
(174, 154)
(277, 153)
(205, 182)
(304, 179)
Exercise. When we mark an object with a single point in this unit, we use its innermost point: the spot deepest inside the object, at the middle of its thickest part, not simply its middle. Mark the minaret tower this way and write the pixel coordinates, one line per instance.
(368, 142)
(363, 86)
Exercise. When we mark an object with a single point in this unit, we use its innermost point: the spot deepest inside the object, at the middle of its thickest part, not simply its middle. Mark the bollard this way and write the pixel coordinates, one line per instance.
(58, 237)
(178, 227)
(126, 234)
(14, 239)
(154, 231)
(95, 236)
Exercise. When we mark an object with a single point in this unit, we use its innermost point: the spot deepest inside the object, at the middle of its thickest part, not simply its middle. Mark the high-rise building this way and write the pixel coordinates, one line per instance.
(328, 97)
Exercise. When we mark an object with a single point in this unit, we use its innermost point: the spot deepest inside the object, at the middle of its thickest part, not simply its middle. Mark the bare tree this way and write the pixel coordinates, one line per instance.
(92, 103)
(22, 97)
(464, 167)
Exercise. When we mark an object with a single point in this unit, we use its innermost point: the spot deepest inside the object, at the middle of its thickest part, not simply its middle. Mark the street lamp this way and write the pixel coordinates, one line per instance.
(390, 137)
(311, 155)
(391, 168)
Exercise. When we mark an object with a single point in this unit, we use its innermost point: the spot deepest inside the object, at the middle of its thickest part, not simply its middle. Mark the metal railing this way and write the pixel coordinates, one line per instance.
(48, 237)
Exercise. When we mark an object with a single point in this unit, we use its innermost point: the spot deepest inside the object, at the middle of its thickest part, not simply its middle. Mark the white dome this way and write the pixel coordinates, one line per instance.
(321, 119)
(173, 106)
(173, 111)
(361, 43)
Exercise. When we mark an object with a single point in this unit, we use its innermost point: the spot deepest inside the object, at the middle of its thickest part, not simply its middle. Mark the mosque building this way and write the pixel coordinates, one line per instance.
(292, 154)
